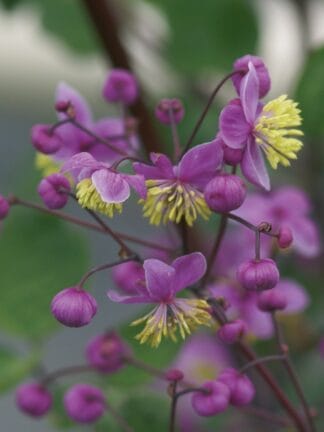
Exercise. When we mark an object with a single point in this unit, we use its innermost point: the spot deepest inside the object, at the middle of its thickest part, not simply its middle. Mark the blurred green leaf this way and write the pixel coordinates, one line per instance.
(10, 4)
(39, 257)
(14, 368)
(209, 33)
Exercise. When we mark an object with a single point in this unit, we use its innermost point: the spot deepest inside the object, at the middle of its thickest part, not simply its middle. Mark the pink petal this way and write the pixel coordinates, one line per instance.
(66, 93)
(164, 164)
(293, 198)
(78, 162)
(306, 238)
(189, 269)
(233, 126)
(253, 166)
(119, 298)
(111, 186)
(297, 297)
(249, 93)
(159, 279)
(137, 182)
(199, 165)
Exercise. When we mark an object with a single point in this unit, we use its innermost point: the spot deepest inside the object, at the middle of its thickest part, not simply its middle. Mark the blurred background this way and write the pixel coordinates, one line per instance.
(178, 48)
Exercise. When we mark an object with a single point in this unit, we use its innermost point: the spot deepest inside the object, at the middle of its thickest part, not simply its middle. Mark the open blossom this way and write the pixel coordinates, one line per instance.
(245, 123)
(170, 314)
(287, 206)
(99, 186)
(175, 192)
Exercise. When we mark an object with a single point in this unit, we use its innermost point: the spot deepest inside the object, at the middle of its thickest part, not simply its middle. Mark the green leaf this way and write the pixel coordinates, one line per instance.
(10, 4)
(209, 33)
(39, 256)
(14, 368)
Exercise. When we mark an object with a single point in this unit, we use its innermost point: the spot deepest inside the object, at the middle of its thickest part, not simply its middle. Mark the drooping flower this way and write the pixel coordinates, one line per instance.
(176, 192)
(214, 400)
(33, 399)
(170, 314)
(246, 123)
(120, 86)
(84, 403)
(242, 390)
(99, 186)
(241, 65)
(50, 191)
(225, 192)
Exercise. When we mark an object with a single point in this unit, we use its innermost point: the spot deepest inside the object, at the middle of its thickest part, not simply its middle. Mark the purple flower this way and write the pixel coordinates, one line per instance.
(247, 124)
(258, 275)
(214, 401)
(84, 403)
(287, 206)
(225, 192)
(33, 399)
(4, 207)
(44, 139)
(74, 307)
(120, 86)
(50, 191)
(242, 65)
(272, 300)
(99, 186)
(168, 108)
(106, 352)
(232, 331)
(176, 192)
(129, 276)
(242, 390)
(162, 283)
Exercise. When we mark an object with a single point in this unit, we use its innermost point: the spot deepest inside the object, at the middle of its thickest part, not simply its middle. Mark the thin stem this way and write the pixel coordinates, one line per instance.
(172, 421)
(264, 227)
(259, 360)
(191, 390)
(49, 378)
(283, 348)
(103, 267)
(175, 135)
(257, 245)
(206, 109)
(119, 419)
(61, 215)
(139, 364)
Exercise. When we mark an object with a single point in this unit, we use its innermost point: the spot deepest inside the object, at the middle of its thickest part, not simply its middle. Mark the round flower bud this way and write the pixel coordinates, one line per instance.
(258, 275)
(285, 237)
(241, 388)
(232, 156)
(174, 375)
(33, 399)
(129, 276)
(225, 192)
(50, 190)
(231, 332)
(84, 403)
(262, 72)
(74, 307)
(214, 401)
(4, 207)
(272, 300)
(120, 86)
(106, 352)
(62, 105)
(167, 106)
(44, 140)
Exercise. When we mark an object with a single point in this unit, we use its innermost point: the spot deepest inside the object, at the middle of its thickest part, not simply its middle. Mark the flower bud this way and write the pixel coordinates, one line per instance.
(167, 106)
(62, 105)
(106, 352)
(44, 140)
(285, 237)
(258, 275)
(74, 307)
(33, 399)
(272, 300)
(50, 190)
(129, 276)
(241, 388)
(84, 403)
(214, 401)
(4, 207)
(232, 156)
(262, 72)
(120, 86)
(231, 332)
(174, 375)
(225, 192)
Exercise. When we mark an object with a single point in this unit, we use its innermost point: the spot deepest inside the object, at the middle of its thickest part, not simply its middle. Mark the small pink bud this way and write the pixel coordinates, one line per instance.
(231, 332)
(174, 375)
(285, 237)
(4, 207)
(84, 403)
(272, 300)
(232, 156)
(129, 276)
(120, 86)
(106, 352)
(74, 307)
(258, 275)
(241, 388)
(225, 192)
(214, 401)
(53, 190)
(62, 105)
(261, 70)
(167, 106)
(33, 399)
(44, 140)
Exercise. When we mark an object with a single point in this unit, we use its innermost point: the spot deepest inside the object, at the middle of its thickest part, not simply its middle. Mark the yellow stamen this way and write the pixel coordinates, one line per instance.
(46, 164)
(88, 197)
(183, 315)
(276, 131)
(172, 202)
